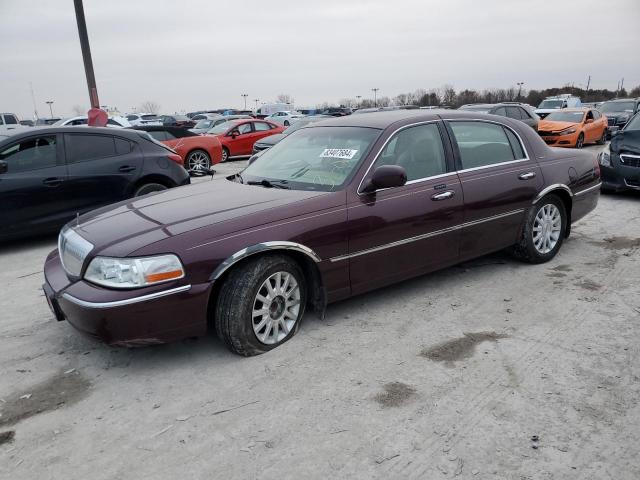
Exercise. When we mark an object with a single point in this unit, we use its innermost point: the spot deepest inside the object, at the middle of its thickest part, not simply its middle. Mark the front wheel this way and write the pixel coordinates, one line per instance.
(225, 154)
(260, 305)
(544, 230)
(580, 141)
(603, 138)
(198, 161)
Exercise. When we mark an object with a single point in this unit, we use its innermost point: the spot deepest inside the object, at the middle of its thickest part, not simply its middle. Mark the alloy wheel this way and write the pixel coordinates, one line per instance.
(580, 141)
(546, 228)
(276, 308)
(198, 161)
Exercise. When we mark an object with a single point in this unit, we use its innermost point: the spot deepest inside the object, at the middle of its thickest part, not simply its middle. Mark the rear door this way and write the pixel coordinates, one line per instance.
(499, 181)
(102, 168)
(397, 233)
(33, 190)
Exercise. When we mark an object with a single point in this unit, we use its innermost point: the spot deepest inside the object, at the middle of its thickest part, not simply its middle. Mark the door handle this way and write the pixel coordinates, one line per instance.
(442, 196)
(527, 176)
(126, 169)
(52, 181)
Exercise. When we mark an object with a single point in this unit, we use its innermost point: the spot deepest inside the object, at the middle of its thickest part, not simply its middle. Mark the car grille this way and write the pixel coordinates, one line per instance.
(611, 121)
(630, 160)
(544, 133)
(73, 250)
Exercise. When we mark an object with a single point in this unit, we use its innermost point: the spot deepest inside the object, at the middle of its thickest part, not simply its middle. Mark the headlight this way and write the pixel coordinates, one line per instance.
(567, 131)
(604, 157)
(133, 272)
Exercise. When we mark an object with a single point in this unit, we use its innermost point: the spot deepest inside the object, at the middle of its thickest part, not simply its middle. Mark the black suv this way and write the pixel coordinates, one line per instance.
(620, 160)
(619, 111)
(515, 110)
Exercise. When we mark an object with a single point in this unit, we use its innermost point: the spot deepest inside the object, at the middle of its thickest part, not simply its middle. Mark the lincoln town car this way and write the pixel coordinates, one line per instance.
(335, 209)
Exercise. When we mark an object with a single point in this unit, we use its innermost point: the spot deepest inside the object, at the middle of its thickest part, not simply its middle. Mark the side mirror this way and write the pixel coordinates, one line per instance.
(589, 120)
(614, 133)
(234, 134)
(385, 176)
(4, 166)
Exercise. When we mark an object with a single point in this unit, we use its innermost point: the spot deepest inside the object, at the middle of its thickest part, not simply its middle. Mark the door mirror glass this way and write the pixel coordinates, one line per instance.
(234, 133)
(386, 176)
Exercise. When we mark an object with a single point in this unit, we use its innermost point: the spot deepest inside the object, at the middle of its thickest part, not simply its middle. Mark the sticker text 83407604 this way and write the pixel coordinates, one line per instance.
(345, 153)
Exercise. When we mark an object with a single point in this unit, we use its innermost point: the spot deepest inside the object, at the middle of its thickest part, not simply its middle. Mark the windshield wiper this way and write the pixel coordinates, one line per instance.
(269, 183)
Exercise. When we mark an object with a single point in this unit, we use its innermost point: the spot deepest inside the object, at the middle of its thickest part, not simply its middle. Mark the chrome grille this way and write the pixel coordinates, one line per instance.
(73, 249)
(630, 160)
(611, 121)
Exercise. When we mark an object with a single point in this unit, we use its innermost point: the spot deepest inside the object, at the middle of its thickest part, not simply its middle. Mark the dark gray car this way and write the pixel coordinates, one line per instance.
(515, 110)
(619, 111)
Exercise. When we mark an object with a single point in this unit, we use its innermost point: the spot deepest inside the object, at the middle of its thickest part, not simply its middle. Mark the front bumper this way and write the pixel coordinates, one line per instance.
(620, 177)
(151, 315)
(569, 140)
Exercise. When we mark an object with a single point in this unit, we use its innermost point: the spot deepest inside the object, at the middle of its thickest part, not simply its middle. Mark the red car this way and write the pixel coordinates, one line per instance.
(198, 152)
(238, 136)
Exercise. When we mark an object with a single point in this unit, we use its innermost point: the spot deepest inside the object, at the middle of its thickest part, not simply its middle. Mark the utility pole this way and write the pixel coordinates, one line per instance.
(588, 83)
(519, 88)
(256, 100)
(358, 97)
(33, 99)
(86, 54)
(50, 103)
(375, 96)
(244, 95)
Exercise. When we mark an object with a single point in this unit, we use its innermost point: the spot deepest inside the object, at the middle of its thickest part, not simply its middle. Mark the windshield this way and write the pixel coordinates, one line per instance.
(551, 104)
(149, 117)
(607, 107)
(476, 108)
(573, 117)
(634, 123)
(204, 124)
(221, 127)
(315, 158)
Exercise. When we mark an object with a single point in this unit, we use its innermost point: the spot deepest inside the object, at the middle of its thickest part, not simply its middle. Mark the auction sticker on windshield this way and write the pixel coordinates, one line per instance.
(345, 153)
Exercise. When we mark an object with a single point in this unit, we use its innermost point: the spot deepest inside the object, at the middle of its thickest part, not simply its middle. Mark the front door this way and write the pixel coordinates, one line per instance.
(401, 232)
(33, 190)
(499, 182)
(242, 143)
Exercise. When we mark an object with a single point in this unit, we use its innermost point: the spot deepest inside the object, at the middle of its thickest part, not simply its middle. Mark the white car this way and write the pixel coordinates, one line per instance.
(113, 122)
(285, 117)
(138, 119)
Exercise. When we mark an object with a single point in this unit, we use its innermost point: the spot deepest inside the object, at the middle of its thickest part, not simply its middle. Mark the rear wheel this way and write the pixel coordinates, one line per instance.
(198, 161)
(260, 305)
(543, 231)
(149, 188)
(225, 154)
(580, 141)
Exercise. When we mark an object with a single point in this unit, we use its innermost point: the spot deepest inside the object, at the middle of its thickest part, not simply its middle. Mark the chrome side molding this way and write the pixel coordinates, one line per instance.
(550, 188)
(127, 301)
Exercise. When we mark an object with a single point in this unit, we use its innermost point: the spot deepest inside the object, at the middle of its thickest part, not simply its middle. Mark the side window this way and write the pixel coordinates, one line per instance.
(418, 150)
(500, 111)
(30, 154)
(131, 117)
(590, 115)
(123, 146)
(482, 144)
(524, 114)
(158, 135)
(82, 148)
(261, 127)
(169, 136)
(244, 128)
(514, 112)
(10, 120)
(516, 146)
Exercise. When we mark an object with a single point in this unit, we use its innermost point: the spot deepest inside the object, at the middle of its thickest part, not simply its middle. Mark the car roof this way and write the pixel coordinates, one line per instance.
(119, 132)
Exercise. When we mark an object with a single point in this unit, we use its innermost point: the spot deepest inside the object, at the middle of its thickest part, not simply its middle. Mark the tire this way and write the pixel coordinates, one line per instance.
(225, 154)
(286, 123)
(198, 161)
(603, 138)
(527, 248)
(149, 188)
(237, 319)
(580, 140)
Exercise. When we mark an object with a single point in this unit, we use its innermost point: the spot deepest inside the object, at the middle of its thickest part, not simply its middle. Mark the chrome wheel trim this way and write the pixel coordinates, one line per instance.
(225, 155)
(197, 161)
(580, 142)
(276, 308)
(547, 227)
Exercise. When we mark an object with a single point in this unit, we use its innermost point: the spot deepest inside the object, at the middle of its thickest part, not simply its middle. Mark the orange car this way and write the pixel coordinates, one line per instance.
(573, 127)
(198, 152)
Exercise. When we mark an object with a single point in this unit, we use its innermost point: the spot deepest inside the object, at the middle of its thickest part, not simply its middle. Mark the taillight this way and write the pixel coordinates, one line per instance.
(175, 158)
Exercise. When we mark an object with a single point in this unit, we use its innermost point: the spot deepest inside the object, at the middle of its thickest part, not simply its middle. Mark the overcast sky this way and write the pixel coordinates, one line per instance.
(188, 54)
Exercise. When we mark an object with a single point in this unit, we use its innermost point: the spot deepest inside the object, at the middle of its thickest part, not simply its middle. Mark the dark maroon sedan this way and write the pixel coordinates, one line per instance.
(335, 209)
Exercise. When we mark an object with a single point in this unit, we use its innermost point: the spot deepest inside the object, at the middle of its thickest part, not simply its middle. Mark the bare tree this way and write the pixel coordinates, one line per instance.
(150, 107)
(284, 98)
(79, 110)
(348, 102)
(448, 94)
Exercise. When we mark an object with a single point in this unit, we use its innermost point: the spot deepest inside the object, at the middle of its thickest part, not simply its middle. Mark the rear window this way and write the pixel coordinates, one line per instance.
(83, 147)
(483, 144)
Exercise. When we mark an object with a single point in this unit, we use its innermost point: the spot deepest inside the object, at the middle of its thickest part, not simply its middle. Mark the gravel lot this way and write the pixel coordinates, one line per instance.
(453, 374)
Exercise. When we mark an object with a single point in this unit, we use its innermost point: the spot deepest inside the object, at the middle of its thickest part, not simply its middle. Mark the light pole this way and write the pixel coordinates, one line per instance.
(244, 95)
(358, 97)
(50, 102)
(375, 96)
(86, 54)
(256, 100)
(519, 88)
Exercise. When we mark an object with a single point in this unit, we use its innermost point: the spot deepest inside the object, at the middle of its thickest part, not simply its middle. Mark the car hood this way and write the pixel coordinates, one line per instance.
(554, 126)
(626, 141)
(272, 139)
(214, 208)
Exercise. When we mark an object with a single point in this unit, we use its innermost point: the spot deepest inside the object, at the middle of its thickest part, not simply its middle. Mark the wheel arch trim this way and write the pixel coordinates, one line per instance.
(551, 188)
(261, 248)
